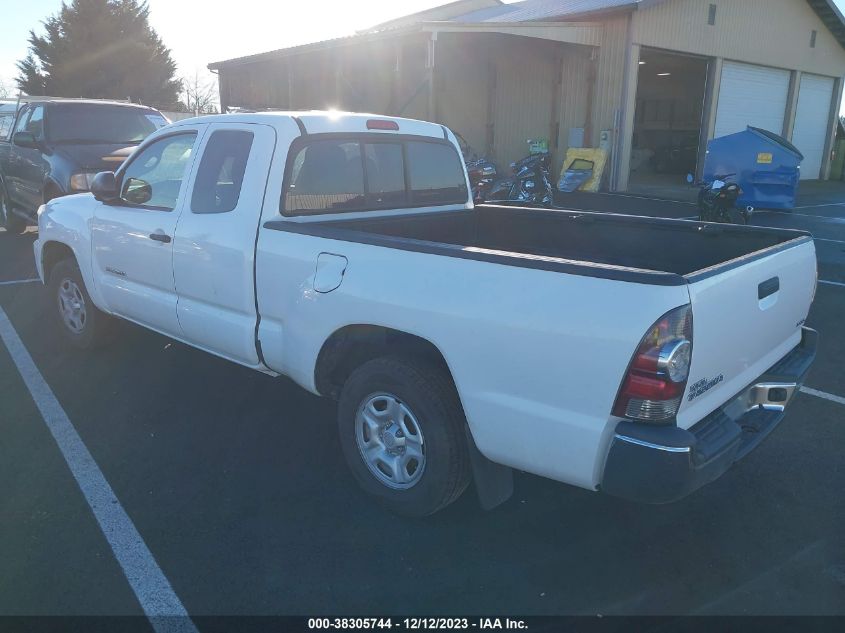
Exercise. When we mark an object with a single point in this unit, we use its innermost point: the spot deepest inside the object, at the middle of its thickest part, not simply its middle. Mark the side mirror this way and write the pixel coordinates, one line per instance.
(137, 191)
(104, 186)
(25, 139)
(690, 178)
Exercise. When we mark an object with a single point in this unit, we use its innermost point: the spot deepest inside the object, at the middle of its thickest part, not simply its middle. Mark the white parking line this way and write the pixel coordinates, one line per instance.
(824, 239)
(151, 587)
(823, 394)
(832, 283)
(626, 195)
(813, 206)
(18, 281)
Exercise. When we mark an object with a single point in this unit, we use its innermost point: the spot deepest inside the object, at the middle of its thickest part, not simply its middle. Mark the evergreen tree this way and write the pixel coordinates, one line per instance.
(103, 49)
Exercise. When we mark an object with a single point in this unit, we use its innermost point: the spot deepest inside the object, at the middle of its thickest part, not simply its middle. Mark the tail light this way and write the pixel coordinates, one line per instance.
(657, 375)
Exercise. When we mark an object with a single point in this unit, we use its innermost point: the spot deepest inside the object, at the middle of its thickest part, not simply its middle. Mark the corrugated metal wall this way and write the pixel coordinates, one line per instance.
(609, 77)
(463, 75)
(526, 80)
(767, 32)
(576, 70)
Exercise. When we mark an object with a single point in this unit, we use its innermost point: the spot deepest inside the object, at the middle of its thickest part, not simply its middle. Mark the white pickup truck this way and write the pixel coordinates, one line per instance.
(636, 356)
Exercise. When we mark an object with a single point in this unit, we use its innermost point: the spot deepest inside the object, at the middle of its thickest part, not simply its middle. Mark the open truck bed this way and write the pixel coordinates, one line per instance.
(630, 248)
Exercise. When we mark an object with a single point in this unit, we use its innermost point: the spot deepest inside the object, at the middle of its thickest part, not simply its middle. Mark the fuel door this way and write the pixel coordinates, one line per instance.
(329, 274)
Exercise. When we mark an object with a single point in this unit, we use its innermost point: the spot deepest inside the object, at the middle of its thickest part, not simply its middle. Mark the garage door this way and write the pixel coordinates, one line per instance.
(751, 95)
(812, 122)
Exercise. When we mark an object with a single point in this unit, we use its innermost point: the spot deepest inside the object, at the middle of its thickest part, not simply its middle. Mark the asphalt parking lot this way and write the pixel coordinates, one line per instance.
(237, 485)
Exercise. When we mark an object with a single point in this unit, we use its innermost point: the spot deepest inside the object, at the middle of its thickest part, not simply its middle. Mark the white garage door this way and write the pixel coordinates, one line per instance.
(751, 95)
(812, 122)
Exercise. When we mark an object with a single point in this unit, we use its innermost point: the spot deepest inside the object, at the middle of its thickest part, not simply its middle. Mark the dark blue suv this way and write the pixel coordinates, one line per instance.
(56, 146)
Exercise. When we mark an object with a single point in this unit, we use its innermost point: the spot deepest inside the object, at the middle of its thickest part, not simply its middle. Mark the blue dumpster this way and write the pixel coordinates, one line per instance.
(767, 167)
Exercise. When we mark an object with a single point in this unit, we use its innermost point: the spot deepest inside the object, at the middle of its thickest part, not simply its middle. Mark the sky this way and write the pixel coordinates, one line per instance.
(202, 31)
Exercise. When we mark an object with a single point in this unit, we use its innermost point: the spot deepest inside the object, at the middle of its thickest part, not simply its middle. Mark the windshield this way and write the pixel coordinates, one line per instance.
(111, 124)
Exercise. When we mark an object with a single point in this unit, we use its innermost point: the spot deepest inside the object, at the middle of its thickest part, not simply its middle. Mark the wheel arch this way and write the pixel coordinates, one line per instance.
(52, 252)
(350, 346)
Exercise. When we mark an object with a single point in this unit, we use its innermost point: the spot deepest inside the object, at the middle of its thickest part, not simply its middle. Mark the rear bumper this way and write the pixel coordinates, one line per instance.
(655, 464)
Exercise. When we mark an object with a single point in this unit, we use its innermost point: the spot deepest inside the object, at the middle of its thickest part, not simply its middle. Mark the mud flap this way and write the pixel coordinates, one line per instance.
(493, 482)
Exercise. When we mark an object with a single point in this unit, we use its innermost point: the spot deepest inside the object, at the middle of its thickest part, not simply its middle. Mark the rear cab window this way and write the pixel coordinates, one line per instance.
(344, 173)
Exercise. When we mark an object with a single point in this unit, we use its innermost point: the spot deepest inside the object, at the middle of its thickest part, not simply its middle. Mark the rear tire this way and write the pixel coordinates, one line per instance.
(12, 223)
(81, 323)
(401, 428)
(737, 217)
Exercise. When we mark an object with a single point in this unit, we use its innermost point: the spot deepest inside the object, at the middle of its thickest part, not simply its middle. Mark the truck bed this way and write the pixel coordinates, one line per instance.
(648, 250)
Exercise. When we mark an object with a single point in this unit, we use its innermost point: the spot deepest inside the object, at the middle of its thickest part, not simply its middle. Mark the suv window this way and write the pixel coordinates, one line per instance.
(35, 123)
(7, 120)
(23, 120)
(221, 172)
(101, 123)
(365, 172)
(154, 177)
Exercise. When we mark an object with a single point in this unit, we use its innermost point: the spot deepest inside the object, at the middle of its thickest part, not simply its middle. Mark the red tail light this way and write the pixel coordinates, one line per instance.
(657, 376)
(382, 124)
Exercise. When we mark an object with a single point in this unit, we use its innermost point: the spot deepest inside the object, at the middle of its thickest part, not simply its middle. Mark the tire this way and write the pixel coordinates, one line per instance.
(736, 216)
(8, 220)
(83, 326)
(431, 422)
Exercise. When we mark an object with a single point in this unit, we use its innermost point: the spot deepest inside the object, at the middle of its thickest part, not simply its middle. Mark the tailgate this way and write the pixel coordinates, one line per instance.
(747, 315)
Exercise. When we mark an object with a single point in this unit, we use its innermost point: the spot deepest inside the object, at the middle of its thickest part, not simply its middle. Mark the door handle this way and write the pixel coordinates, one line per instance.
(160, 237)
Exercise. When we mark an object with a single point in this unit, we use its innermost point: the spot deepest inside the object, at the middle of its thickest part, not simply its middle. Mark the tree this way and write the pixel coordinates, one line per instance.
(100, 49)
(199, 95)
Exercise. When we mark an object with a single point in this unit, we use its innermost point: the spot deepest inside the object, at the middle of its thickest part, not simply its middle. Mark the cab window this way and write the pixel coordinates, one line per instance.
(221, 172)
(367, 172)
(154, 177)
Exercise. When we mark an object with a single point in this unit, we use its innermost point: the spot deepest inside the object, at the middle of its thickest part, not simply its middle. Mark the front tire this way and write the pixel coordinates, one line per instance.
(82, 324)
(401, 428)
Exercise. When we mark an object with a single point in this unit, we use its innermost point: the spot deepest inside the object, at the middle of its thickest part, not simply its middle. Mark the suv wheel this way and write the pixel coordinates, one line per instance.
(401, 428)
(8, 220)
(82, 324)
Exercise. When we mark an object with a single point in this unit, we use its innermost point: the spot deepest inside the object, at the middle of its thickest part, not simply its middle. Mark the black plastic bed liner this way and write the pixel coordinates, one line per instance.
(632, 248)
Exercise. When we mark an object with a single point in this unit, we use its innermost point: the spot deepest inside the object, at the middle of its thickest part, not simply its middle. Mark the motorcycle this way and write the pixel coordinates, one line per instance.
(530, 182)
(717, 201)
(481, 171)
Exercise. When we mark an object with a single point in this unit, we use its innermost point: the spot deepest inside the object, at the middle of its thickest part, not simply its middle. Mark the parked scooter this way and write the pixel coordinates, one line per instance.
(530, 183)
(717, 201)
(481, 171)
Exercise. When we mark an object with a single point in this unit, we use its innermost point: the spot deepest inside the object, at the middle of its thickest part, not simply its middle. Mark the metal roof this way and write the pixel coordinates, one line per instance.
(434, 14)
(525, 11)
(832, 18)
(544, 10)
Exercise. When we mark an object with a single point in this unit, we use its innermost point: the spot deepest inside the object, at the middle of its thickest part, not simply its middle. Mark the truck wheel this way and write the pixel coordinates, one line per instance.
(8, 220)
(402, 432)
(82, 324)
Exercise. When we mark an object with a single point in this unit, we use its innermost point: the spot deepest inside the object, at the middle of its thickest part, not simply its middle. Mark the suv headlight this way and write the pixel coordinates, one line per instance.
(81, 182)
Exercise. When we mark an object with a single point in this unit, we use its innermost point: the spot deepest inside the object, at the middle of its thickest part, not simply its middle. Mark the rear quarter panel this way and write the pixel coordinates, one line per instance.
(537, 356)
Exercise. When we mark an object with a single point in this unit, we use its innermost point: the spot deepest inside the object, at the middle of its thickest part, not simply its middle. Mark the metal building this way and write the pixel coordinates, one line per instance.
(652, 80)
